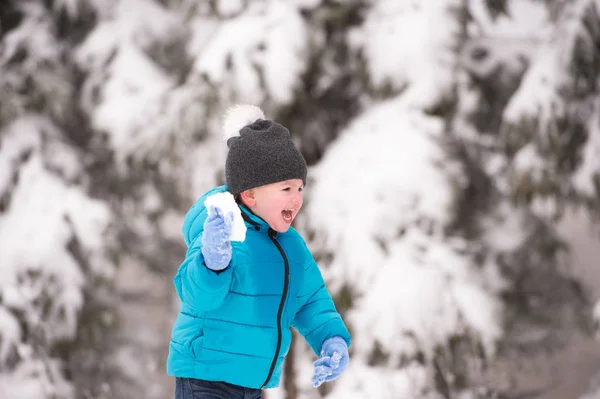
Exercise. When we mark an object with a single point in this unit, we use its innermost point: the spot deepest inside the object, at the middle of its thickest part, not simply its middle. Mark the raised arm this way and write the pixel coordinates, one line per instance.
(203, 279)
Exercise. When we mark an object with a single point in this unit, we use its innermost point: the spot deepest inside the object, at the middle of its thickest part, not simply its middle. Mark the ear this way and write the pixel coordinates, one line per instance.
(248, 197)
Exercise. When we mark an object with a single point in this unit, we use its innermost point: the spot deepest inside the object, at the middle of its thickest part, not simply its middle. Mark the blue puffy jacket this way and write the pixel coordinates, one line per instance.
(234, 326)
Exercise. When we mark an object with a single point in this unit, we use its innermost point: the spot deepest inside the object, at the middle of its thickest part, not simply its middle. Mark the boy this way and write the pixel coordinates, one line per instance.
(239, 299)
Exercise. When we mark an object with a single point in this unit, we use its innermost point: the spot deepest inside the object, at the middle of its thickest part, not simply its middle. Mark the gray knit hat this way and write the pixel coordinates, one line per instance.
(260, 151)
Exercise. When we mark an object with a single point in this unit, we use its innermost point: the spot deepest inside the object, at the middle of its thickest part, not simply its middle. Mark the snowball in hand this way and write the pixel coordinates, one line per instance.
(227, 204)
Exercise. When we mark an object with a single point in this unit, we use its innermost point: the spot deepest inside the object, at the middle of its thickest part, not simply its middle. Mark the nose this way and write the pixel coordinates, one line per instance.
(297, 200)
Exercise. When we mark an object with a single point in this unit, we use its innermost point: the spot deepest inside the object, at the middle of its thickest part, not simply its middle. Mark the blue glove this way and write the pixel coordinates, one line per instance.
(216, 246)
(334, 360)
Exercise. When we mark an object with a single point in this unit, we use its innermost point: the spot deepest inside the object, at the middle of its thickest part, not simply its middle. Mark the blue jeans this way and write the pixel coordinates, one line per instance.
(190, 388)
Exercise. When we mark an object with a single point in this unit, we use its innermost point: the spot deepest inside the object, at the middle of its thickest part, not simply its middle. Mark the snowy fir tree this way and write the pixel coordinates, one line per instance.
(445, 138)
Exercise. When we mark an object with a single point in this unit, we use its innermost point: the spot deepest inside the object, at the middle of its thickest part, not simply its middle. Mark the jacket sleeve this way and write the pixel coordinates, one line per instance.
(199, 287)
(317, 319)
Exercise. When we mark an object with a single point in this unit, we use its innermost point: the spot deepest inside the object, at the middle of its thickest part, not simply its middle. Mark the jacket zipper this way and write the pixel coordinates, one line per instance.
(272, 235)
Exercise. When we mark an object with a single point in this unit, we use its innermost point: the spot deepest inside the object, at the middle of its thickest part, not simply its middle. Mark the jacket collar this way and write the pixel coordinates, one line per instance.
(253, 221)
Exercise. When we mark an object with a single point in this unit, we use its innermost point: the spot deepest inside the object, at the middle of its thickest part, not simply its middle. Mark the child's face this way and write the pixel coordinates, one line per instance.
(277, 203)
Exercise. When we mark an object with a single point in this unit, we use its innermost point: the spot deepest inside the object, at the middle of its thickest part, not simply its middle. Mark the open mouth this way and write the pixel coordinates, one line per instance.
(287, 215)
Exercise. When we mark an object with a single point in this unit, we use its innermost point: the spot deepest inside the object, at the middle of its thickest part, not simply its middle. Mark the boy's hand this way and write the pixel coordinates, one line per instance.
(216, 246)
(334, 360)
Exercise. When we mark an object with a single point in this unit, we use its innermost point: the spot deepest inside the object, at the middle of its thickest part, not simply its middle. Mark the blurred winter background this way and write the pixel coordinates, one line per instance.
(453, 203)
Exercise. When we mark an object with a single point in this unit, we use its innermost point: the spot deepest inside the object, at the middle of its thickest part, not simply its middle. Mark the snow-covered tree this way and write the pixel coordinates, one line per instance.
(56, 267)
(441, 136)
(500, 268)
(54, 258)
(546, 103)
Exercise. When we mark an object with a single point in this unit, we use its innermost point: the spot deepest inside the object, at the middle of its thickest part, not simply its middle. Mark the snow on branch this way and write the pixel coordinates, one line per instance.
(256, 64)
(31, 66)
(402, 50)
(52, 236)
(414, 287)
(555, 113)
(128, 93)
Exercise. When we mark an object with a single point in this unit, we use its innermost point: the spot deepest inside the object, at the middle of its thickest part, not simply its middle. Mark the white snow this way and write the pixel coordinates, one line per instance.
(35, 379)
(525, 19)
(361, 381)
(137, 23)
(306, 4)
(42, 280)
(34, 33)
(130, 98)
(584, 176)
(504, 228)
(206, 159)
(414, 287)
(31, 61)
(228, 8)
(272, 39)
(11, 334)
(596, 318)
(409, 43)
(537, 98)
(226, 203)
(396, 143)
(539, 102)
(380, 202)
(126, 91)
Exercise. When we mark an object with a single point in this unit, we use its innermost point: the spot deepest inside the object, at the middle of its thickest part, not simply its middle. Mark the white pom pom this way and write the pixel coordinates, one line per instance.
(239, 116)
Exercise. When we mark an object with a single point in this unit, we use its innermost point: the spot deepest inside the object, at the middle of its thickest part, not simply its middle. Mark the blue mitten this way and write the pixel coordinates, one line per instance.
(216, 246)
(334, 360)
